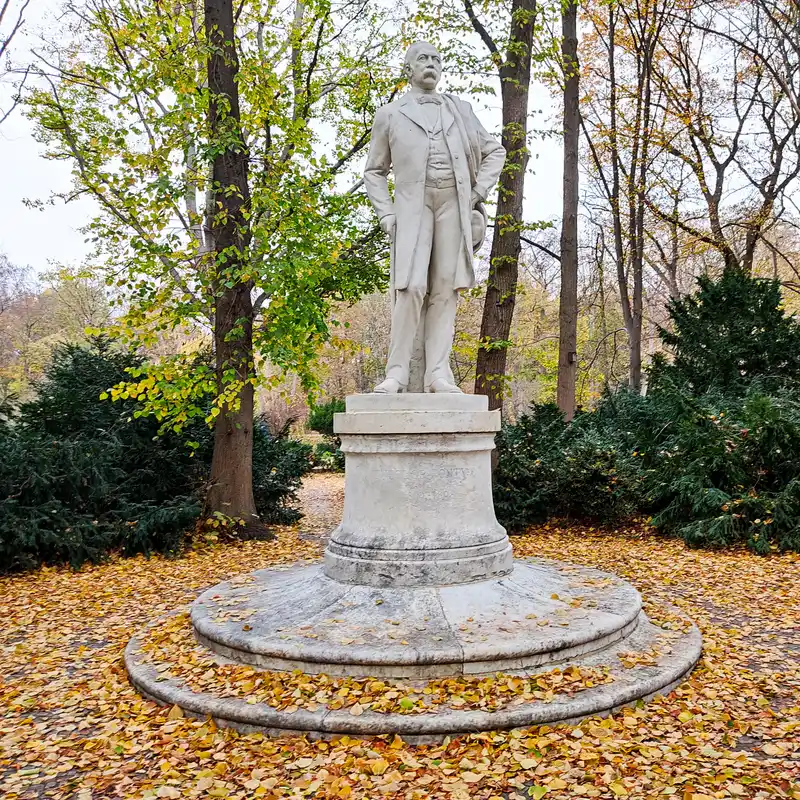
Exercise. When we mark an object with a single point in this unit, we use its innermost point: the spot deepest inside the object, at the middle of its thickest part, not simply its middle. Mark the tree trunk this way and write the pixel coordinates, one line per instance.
(568, 301)
(615, 195)
(501, 289)
(639, 173)
(231, 490)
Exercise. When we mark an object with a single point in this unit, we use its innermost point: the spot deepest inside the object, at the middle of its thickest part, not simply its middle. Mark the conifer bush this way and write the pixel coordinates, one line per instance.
(80, 476)
(279, 464)
(548, 468)
(727, 472)
(528, 455)
(327, 453)
(712, 451)
(729, 333)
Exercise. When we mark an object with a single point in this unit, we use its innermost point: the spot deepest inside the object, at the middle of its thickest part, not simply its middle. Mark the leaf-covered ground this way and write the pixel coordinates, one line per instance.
(72, 727)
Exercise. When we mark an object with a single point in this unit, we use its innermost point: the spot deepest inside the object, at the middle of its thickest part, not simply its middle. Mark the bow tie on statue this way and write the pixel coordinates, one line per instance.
(429, 98)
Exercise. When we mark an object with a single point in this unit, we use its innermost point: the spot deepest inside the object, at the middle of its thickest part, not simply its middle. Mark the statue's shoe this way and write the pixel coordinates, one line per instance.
(388, 386)
(441, 386)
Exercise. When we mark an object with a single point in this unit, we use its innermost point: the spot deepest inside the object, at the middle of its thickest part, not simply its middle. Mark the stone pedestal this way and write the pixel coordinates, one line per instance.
(418, 494)
(418, 582)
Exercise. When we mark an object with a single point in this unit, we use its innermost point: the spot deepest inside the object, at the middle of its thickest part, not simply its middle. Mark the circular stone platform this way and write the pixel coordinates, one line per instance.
(543, 612)
(297, 619)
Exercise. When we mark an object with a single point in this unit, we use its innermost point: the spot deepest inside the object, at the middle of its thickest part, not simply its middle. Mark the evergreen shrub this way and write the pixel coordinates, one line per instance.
(327, 453)
(725, 470)
(279, 464)
(80, 476)
(731, 332)
(547, 468)
(320, 417)
(712, 451)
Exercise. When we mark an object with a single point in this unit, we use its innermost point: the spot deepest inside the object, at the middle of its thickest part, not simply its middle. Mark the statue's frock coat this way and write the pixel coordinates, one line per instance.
(400, 142)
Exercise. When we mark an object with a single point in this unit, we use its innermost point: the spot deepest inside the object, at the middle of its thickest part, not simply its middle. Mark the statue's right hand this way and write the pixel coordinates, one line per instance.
(389, 225)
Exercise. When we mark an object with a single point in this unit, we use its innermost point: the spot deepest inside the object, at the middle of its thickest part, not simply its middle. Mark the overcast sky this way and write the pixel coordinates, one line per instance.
(50, 237)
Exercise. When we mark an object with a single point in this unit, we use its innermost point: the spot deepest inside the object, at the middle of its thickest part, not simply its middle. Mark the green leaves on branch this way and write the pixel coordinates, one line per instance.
(129, 110)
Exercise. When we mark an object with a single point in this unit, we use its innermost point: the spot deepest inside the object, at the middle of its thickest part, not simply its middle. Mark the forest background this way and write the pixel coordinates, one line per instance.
(661, 202)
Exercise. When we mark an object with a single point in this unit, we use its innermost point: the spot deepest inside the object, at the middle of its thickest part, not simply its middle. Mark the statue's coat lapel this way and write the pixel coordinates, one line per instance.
(413, 111)
(448, 119)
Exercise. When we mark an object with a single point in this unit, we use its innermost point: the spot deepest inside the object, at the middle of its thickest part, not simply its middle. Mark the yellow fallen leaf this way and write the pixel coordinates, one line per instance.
(378, 766)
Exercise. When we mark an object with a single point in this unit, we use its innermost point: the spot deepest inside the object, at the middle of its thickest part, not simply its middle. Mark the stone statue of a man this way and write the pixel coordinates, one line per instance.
(445, 164)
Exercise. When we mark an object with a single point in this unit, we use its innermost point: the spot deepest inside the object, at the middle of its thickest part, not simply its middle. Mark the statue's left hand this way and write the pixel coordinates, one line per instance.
(389, 225)
(474, 199)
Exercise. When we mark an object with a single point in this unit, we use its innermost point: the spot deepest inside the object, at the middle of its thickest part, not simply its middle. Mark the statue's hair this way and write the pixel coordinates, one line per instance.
(412, 51)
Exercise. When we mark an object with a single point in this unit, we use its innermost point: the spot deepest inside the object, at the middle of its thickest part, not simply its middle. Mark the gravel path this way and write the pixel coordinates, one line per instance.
(321, 500)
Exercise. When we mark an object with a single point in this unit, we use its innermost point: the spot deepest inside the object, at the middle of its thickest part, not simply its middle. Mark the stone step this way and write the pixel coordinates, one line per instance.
(668, 658)
(544, 612)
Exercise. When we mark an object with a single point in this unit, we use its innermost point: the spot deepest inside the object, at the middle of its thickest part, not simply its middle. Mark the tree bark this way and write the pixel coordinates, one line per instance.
(231, 482)
(568, 301)
(501, 289)
(648, 37)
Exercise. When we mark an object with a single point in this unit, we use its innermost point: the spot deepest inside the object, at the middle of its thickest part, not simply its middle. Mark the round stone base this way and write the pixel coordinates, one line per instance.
(299, 619)
(649, 662)
(545, 616)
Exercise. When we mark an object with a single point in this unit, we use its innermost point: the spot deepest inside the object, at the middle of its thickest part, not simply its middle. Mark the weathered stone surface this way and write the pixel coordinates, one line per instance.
(411, 413)
(418, 497)
(421, 402)
(300, 619)
(677, 654)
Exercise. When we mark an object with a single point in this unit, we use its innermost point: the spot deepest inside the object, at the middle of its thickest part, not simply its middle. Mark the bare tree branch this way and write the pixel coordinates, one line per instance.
(102, 196)
(479, 28)
(538, 246)
(5, 43)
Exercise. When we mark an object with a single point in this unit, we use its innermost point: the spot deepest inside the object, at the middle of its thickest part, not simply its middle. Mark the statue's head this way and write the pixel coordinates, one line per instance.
(423, 66)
